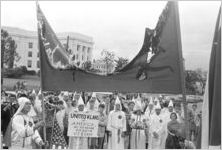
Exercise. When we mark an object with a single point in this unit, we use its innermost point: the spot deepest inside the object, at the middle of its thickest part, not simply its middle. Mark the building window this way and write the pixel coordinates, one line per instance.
(29, 63)
(82, 57)
(78, 47)
(38, 54)
(83, 49)
(30, 45)
(38, 64)
(29, 54)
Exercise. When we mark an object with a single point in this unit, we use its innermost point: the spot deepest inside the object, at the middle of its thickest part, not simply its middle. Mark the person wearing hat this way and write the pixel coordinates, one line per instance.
(138, 123)
(116, 126)
(79, 142)
(156, 128)
(23, 131)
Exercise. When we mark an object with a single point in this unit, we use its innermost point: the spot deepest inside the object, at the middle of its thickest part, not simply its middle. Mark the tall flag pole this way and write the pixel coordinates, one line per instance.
(43, 103)
(211, 109)
(182, 66)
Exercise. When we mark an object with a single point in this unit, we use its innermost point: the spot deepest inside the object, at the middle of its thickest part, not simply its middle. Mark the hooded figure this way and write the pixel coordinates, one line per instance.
(156, 130)
(79, 142)
(92, 107)
(92, 103)
(139, 124)
(150, 109)
(23, 128)
(116, 126)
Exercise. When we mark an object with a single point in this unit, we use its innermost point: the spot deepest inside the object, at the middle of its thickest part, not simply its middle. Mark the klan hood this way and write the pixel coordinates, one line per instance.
(151, 101)
(21, 102)
(170, 104)
(133, 99)
(117, 102)
(80, 101)
(33, 92)
(158, 105)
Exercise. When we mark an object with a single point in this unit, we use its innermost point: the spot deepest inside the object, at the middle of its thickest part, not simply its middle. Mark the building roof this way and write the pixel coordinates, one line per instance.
(61, 35)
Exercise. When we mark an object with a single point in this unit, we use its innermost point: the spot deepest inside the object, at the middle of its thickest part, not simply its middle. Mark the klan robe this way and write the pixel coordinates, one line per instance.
(156, 125)
(22, 134)
(148, 113)
(138, 124)
(116, 125)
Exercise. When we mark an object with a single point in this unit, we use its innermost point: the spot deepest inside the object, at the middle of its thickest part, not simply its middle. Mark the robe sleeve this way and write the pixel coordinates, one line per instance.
(36, 137)
(124, 122)
(22, 130)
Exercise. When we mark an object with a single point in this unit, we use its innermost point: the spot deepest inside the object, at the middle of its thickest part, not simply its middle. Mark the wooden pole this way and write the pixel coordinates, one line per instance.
(182, 68)
(43, 103)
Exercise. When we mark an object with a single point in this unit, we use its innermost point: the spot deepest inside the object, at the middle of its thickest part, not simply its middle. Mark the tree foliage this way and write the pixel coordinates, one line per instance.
(8, 50)
(192, 78)
(120, 63)
(108, 58)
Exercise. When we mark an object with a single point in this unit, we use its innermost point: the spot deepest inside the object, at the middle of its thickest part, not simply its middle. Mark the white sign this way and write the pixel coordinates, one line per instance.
(83, 124)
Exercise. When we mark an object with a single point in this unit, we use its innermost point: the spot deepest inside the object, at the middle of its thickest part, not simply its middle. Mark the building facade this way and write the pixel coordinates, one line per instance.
(80, 47)
(102, 67)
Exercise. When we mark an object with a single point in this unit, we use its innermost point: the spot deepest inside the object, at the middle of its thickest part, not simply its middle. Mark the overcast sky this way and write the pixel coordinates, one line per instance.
(119, 26)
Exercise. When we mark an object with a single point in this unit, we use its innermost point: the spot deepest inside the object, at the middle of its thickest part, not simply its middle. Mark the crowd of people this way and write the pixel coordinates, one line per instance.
(132, 122)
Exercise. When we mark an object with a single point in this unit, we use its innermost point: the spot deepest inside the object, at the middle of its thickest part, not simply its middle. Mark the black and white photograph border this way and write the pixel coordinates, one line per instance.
(110, 74)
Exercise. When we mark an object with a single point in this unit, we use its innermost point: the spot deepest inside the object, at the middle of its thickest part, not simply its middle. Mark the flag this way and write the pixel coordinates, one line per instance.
(156, 68)
(211, 109)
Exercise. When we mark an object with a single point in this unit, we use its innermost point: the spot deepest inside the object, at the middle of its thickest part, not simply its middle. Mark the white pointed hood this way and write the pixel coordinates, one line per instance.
(158, 105)
(33, 91)
(151, 101)
(40, 92)
(171, 103)
(80, 101)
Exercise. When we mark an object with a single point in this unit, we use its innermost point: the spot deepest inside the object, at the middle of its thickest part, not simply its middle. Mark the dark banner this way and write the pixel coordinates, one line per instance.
(155, 69)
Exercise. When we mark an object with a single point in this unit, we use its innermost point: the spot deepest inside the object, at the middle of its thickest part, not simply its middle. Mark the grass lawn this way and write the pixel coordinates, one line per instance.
(32, 82)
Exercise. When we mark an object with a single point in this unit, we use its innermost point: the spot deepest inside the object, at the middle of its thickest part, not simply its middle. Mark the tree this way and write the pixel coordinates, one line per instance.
(108, 58)
(120, 63)
(8, 50)
(192, 78)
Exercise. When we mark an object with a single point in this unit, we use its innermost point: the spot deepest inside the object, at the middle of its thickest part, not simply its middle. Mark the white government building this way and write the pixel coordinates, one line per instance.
(81, 46)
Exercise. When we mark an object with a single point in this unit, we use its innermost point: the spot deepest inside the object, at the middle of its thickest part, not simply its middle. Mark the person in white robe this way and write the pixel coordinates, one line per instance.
(24, 131)
(138, 123)
(149, 112)
(79, 142)
(92, 108)
(116, 126)
(156, 129)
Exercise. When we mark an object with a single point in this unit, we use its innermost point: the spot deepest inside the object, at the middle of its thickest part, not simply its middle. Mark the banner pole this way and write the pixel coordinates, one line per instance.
(43, 103)
(182, 70)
